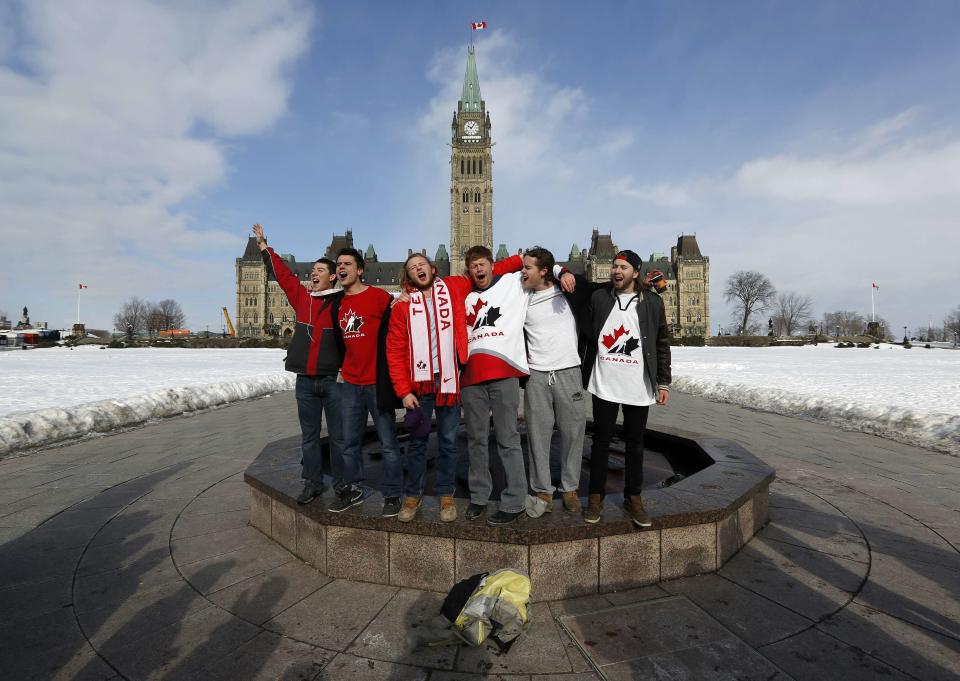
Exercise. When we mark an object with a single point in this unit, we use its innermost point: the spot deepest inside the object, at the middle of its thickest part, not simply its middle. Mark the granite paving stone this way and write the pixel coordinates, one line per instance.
(390, 636)
(918, 651)
(755, 619)
(269, 593)
(815, 655)
(268, 657)
(333, 616)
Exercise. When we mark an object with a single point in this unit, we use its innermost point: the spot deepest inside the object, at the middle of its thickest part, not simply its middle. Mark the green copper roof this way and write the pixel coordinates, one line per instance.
(441, 253)
(470, 99)
(574, 251)
(370, 254)
(502, 252)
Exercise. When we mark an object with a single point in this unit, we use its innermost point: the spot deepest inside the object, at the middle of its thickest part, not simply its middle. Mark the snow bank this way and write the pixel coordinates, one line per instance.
(908, 395)
(55, 394)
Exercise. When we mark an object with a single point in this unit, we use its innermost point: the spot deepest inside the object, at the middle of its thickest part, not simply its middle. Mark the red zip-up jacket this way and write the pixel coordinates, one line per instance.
(314, 349)
(398, 338)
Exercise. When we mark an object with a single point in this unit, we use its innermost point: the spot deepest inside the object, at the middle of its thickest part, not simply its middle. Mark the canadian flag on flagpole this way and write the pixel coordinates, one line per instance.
(478, 25)
(876, 287)
(84, 286)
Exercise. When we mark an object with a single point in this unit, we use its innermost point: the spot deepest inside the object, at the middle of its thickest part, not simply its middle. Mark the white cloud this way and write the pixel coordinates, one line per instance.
(113, 115)
(659, 193)
(887, 168)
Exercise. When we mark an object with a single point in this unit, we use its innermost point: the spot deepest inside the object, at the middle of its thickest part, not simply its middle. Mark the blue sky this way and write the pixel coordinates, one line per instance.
(815, 142)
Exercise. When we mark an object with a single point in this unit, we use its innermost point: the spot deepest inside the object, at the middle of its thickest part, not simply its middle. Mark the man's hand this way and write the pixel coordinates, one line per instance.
(404, 297)
(568, 282)
(663, 396)
(410, 402)
(261, 239)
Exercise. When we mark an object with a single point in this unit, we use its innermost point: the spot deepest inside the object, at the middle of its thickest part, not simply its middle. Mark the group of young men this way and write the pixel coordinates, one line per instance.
(465, 343)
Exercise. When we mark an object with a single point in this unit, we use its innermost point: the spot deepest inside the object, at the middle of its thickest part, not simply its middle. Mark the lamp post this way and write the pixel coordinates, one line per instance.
(905, 339)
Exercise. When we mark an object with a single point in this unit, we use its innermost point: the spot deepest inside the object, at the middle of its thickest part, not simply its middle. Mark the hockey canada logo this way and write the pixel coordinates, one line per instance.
(621, 344)
(482, 315)
(351, 322)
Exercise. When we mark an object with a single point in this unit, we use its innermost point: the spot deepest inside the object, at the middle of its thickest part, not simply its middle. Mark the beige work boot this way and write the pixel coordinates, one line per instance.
(634, 508)
(594, 508)
(448, 509)
(409, 510)
(547, 498)
(571, 502)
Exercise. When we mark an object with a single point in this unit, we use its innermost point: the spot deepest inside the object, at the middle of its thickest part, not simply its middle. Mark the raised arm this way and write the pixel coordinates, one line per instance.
(287, 280)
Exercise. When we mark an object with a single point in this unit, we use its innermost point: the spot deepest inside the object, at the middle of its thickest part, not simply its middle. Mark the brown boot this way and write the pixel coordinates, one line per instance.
(594, 508)
(410, 507)
(634, 508)
(448, 509)
(547, 498)
(571, 502)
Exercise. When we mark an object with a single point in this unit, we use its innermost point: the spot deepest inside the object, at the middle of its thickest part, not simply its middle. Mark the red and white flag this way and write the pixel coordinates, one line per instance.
(478, 25)
(84, 286)
(876, 287)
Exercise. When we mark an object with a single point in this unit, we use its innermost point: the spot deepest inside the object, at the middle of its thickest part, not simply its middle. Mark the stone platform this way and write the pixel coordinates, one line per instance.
(699, 522)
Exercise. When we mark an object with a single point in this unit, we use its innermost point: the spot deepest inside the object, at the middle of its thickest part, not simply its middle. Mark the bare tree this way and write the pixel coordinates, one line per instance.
(848, 323)
(172, 313)
(132, 315)
(750, 292)
(791, 312)
(951, 323)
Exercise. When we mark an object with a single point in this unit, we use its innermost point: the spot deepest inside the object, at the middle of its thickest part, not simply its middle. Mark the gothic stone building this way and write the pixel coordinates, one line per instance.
(262, 308)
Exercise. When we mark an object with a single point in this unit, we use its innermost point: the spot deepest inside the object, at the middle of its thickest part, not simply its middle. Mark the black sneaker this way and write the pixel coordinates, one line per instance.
(311, 490)
(349, 497)
(475, 511)
(503, 518)
(391, 507)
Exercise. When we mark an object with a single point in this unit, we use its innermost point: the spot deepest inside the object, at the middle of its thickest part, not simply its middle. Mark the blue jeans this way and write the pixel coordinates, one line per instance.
(316, 396)
(448, 418)
(356, 401)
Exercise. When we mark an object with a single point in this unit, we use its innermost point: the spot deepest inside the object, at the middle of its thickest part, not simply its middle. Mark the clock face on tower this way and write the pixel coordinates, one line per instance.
(471, 129)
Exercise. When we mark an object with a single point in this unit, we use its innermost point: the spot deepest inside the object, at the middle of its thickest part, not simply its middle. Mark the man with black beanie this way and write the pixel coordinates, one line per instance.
(626, 365)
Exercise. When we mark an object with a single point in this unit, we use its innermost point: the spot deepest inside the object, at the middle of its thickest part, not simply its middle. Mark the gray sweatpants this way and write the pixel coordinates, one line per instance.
(555, 397)
(502, 398)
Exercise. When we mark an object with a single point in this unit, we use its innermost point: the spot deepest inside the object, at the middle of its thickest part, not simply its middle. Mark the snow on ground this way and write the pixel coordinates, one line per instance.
(908, 395)
(48, 395)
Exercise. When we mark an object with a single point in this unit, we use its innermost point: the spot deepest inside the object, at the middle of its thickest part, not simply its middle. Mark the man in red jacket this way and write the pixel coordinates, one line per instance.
(425, 354)
(314, 355)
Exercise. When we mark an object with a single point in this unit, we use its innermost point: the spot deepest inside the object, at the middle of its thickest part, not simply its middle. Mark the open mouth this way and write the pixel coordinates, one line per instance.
(422, 277)
(342, 275)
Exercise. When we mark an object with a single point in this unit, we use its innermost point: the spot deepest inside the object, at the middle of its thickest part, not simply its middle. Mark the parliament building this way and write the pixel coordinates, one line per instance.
(262, 308)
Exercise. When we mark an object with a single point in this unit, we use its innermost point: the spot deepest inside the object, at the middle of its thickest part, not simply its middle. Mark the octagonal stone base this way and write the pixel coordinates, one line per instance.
(698, 524)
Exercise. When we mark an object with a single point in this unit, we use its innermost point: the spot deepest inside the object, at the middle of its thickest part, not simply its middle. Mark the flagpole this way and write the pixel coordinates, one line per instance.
(873, 308)
(79, 288)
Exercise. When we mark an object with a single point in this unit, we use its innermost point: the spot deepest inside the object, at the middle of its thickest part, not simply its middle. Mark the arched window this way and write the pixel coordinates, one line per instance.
(474, 166)
(465, 197)
(461, 166)
(476, 197)
(481, 166)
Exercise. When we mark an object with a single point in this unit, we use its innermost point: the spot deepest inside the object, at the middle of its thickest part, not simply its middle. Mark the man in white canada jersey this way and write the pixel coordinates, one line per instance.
(497, 358)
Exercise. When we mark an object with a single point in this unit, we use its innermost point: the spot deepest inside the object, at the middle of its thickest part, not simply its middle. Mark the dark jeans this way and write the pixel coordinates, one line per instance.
(448, 418)
(356, 401)
(604, 423)
(318, 396)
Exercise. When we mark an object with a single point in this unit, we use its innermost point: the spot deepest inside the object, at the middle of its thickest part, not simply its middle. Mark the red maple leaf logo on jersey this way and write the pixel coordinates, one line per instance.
(609, 340)
(472, 314)
(619, 342)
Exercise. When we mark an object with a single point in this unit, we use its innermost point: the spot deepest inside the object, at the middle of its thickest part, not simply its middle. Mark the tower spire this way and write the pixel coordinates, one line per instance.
(471, 100)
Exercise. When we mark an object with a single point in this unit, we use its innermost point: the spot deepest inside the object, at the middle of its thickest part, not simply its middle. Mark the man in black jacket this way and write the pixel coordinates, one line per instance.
(626, 364)
(314, 355)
